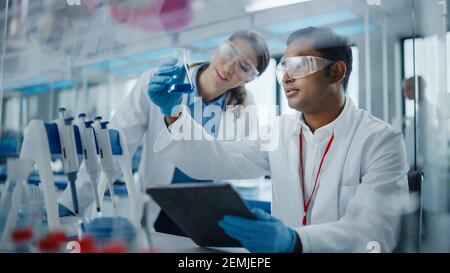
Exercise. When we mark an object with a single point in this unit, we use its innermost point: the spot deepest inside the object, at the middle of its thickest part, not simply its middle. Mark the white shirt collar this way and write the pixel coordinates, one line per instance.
(329, 128)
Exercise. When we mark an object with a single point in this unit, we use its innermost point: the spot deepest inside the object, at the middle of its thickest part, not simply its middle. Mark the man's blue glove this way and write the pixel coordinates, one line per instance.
(158, 89)
(265, 234)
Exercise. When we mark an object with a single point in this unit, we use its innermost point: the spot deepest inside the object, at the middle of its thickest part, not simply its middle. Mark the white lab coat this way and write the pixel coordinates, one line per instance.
(363, 183)
(141, 121)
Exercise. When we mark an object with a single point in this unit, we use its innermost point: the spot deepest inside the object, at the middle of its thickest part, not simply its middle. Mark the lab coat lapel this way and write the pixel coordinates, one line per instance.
(185, 99)
(325, 207)
(287, 192)
(326, 204)
(226, 125)
(293, 180)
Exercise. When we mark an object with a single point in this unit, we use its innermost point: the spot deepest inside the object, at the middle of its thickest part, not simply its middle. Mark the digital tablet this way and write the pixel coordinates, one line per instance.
(198, 207)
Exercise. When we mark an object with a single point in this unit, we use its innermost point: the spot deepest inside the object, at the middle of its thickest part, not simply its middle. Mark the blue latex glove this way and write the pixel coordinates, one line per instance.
(158, 89)
(265, 234)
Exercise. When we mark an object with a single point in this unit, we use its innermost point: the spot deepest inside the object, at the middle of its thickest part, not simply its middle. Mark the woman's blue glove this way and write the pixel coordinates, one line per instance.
(158, 89)
(265, 234)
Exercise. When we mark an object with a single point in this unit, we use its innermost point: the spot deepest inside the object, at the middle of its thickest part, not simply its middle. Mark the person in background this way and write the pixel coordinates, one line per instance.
(423, 116)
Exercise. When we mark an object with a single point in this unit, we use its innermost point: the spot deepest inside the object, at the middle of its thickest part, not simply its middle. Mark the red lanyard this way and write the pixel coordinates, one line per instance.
(306, 204)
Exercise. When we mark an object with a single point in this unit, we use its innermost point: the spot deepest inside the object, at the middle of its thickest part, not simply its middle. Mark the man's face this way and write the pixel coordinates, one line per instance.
(306, 94)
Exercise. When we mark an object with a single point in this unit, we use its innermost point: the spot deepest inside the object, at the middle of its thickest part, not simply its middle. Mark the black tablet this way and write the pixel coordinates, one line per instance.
(198, 207)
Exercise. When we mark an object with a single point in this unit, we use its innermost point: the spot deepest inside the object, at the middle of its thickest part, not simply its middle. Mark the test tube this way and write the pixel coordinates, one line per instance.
(184, 86)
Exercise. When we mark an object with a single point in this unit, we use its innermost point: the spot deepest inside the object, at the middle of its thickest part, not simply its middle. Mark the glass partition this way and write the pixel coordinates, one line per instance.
(428, 68)
(86, 55)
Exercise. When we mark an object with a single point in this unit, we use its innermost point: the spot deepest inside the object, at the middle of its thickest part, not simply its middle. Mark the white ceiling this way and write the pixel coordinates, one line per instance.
(57, 41)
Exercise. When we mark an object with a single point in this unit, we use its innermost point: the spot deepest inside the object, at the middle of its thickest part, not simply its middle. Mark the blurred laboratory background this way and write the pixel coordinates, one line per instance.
(86, 55)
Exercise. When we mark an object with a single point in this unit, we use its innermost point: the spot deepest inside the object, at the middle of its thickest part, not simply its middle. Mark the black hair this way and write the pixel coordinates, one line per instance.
(330, 46)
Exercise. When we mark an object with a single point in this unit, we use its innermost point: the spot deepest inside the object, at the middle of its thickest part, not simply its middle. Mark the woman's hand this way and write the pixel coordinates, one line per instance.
(158, 89)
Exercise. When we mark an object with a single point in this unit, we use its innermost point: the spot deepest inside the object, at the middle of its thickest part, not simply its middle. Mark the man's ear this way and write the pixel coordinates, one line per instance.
(338, 71)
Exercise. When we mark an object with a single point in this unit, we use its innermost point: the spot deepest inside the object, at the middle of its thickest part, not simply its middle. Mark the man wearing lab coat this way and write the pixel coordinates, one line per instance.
(338, 173)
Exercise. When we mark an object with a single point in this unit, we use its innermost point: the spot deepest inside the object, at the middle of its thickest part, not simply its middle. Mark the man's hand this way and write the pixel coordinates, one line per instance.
(265, 234)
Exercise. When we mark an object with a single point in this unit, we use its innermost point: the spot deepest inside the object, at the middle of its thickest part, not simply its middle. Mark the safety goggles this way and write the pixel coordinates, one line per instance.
(243, 66)
(300, 66)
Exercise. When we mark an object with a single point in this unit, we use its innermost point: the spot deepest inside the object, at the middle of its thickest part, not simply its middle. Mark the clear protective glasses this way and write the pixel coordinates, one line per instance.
(243, 66)
(300, 66)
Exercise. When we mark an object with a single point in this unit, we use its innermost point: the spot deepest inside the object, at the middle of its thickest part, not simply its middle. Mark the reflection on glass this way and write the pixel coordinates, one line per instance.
(88, 57)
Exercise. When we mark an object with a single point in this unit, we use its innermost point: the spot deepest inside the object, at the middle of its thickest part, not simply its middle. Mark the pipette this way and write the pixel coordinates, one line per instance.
(90, 157)
(68, 153)
(105, 151)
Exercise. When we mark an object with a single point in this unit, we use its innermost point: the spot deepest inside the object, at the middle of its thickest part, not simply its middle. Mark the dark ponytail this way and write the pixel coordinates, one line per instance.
(237, 96)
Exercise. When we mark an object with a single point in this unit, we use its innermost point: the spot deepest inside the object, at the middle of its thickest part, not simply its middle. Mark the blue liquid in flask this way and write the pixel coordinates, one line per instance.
(186, 85)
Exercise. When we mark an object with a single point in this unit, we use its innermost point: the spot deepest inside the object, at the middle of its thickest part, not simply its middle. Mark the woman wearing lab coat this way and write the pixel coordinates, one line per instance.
(218, 83)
